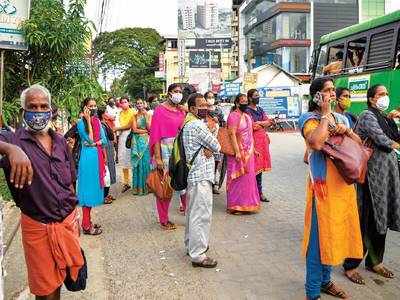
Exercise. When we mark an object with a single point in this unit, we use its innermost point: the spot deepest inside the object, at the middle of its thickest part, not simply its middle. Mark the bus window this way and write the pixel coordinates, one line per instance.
(321, 61)
(335, 60)
(381, 49)
(355, 53)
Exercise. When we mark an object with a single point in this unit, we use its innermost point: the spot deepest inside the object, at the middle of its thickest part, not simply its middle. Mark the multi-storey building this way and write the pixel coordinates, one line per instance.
(188, 16)
(285, 31)
(207, 15)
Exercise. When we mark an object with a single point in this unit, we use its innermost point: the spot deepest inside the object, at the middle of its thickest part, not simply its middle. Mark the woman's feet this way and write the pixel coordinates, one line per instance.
(109, 199)
(263, 198)
(182, 210)
(168, 226)
(381, 270)
(125, 188)
(93, 230)
(354, 276)
(332, 289)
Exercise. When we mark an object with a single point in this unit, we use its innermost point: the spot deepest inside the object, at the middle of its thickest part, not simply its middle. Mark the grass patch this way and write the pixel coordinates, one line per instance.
(4, 191)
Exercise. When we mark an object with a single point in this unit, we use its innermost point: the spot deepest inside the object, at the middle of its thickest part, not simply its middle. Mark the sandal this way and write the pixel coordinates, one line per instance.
(168, 226)
(181, 210)
(93, 231)
(125, 188)
(332, 289)
(355, 277)
(108, 200)
(263, 198)
(383, 271)
(96, 226)
(206, 263)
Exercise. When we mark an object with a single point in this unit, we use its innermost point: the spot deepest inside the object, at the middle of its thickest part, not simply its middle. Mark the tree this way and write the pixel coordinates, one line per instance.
(57, 57)
(132, 51)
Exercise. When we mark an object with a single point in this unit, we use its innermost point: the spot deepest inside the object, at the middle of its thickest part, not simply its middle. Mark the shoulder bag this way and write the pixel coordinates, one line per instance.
(349, 157)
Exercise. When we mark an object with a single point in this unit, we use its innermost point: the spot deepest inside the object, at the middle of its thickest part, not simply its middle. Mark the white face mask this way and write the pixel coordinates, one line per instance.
(383, 103)
(176, 98)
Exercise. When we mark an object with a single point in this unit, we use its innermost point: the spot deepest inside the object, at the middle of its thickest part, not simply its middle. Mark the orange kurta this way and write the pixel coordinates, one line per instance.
(337, 213)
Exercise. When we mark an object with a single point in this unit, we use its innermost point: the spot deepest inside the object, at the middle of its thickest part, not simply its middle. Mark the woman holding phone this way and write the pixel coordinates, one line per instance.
(331, 227)
(91, 167)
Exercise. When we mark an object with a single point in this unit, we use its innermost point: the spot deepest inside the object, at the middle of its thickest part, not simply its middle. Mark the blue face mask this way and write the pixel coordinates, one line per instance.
(37, 121)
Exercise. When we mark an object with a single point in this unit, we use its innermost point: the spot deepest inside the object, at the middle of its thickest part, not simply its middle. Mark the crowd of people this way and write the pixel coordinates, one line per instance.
(49, 175)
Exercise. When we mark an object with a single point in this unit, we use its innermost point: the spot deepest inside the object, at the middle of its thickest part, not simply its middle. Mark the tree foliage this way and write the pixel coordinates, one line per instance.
(132, 51)
(58, 56)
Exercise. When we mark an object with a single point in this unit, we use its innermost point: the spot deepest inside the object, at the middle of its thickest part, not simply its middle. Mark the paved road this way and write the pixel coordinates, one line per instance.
(259, 255)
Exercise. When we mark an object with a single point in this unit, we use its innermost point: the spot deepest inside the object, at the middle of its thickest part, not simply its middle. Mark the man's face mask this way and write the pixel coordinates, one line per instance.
(37, 121)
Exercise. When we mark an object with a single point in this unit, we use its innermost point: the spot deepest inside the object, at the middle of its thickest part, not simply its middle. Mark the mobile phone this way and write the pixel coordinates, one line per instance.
(318, 98)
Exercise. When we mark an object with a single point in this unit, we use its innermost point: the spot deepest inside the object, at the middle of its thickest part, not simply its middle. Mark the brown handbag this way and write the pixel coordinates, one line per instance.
(225, 141)
(349, 157)
(158, 184)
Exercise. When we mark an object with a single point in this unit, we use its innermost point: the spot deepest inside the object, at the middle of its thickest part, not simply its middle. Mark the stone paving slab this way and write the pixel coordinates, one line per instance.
(258, 255)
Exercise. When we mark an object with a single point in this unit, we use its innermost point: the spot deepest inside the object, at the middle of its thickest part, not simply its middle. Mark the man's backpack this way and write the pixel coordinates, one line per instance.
(178, 166)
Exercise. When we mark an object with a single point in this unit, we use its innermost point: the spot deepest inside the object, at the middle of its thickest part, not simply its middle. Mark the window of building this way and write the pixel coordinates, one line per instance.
(292, 26)
(355, 53)
(372, 9)
(261, 6)
(381, 49)
(293, 59)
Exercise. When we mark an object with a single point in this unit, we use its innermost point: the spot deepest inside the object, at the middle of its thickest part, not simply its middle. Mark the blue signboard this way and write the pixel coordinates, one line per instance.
(231, 89)
(277, 101)
(274, 106)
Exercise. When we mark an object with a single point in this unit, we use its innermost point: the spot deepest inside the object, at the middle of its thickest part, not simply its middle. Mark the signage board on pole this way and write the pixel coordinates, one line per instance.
(12, 14)
(231, 89)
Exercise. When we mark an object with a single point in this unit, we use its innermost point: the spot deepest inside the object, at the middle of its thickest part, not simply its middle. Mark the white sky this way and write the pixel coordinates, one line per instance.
(158, 14)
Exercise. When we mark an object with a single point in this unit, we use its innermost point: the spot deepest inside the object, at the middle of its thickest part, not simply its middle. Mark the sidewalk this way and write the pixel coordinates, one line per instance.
(258, 255)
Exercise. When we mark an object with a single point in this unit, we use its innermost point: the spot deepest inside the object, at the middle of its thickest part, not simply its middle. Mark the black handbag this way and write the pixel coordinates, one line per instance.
(128, 143)
(80, 283)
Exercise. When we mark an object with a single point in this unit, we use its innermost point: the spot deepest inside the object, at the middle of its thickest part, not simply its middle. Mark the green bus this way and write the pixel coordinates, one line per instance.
(360, 56)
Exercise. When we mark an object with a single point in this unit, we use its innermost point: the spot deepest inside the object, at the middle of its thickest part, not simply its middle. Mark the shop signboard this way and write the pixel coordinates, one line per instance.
(209, 43)
(181, 58)
(358, 86)
(275, 106)
(201, 59)
(231, 89)
(249, 81)
(12, 14)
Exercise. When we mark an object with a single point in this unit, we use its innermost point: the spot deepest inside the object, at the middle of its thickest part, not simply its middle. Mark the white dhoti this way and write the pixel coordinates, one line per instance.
(124, 154)
(198, 219)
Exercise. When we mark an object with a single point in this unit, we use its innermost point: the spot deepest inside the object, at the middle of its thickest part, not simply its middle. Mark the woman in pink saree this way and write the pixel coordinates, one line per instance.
(241, 185)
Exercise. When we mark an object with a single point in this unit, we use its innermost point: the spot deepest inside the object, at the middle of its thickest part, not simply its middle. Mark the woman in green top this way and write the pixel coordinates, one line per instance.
(140, 149)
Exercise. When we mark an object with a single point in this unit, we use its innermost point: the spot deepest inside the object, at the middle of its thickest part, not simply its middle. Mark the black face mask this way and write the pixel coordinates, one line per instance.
(93, 112)
(243, 107)
(256, 100)
(202, 113)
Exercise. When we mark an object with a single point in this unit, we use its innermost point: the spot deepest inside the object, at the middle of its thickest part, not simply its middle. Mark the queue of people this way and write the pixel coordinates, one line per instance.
(345, 223)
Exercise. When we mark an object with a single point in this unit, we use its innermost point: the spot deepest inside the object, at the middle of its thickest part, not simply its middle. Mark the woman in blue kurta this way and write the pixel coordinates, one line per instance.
(91, 168)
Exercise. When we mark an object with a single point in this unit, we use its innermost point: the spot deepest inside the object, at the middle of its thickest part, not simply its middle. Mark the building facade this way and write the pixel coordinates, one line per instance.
(284, 32)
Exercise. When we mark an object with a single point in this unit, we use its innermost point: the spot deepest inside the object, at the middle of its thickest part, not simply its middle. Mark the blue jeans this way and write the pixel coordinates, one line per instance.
(317, 274)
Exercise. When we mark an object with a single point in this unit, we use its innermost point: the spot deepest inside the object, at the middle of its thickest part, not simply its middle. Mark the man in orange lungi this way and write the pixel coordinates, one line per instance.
(39, 171)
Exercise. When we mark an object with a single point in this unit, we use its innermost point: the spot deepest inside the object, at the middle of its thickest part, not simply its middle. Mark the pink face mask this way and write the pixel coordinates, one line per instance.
(124, 105)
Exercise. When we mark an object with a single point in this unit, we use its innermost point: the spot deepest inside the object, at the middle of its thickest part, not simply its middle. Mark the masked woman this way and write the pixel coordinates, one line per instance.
(167, 120)
(379, 196)
(140, 149)
(242, 191)
(91, 167)
(261, 139)
(343, 103)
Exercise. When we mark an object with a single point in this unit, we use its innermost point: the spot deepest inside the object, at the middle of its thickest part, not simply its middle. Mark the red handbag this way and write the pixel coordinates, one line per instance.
(349, 157)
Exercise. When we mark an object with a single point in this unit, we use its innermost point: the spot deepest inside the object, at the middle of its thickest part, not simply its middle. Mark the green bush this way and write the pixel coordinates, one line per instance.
(4, 191)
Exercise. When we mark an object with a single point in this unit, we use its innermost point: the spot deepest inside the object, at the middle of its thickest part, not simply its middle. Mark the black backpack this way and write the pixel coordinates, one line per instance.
(178, 166)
